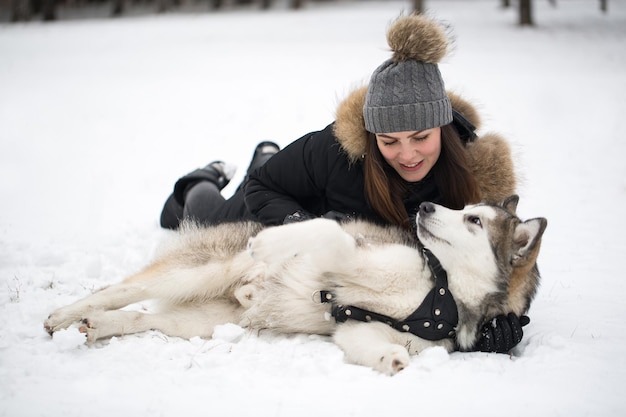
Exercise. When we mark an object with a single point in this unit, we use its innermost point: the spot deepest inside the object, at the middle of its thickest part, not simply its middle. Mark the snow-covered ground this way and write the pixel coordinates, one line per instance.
(99, 117)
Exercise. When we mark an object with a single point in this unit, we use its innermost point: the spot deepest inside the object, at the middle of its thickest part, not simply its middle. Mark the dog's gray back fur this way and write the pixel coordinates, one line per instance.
(196, 245)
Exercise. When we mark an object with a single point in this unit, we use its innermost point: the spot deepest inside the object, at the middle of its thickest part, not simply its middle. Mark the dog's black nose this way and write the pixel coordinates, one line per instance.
(427, 208)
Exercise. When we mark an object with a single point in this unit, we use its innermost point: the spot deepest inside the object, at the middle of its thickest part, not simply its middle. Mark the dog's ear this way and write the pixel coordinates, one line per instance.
(510, 204)
(526, 238)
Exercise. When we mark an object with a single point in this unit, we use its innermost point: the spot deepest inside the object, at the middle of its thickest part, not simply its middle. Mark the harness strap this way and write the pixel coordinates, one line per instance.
(436, 318)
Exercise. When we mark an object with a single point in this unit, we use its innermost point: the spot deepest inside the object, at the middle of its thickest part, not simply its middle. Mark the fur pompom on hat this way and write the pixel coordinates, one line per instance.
(407, 93)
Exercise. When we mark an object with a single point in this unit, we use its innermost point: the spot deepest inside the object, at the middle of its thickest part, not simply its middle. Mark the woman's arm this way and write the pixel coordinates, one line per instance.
(292, 180)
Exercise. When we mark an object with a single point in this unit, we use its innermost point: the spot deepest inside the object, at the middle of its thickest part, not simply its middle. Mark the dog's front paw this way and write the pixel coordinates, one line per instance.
(272, 245)
(60, 319)
(317, 239)
(395, 359)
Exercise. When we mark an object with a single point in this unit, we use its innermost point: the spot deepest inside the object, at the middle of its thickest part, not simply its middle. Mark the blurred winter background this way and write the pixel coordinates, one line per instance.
(99, 116)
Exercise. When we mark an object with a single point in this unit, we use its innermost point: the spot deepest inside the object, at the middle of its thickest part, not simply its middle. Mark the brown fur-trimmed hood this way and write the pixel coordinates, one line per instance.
(489, 155)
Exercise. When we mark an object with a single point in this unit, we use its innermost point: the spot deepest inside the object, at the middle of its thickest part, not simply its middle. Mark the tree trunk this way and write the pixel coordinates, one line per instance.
(506, 3)
(20, 10)
(48, 10)
(604, 6)
(297, 4)
(525, 13)
(117, 8)
(418, 6)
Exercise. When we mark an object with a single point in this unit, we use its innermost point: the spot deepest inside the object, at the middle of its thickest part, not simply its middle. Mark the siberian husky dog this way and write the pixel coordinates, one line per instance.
(373, 277)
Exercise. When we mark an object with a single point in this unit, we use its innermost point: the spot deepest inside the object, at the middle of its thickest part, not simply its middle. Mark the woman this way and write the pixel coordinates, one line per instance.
(395, 143)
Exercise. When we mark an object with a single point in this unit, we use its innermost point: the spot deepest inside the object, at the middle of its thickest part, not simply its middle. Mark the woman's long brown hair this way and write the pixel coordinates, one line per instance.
(385, 189)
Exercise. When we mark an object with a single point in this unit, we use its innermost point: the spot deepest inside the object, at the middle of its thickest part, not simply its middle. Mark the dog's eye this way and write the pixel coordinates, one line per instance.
(475, 220)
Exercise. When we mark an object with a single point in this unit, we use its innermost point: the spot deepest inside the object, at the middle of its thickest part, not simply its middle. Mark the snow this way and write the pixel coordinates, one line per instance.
(99, 117)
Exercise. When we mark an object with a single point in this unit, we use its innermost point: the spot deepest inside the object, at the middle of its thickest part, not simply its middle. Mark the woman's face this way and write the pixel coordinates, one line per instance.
(411, 154)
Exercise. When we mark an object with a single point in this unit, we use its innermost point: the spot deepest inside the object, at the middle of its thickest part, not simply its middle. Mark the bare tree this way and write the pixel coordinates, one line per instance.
(526, 13)
(418, 6)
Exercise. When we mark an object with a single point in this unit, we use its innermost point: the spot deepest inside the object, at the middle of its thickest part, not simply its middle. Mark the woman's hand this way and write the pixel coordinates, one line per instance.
(501, 334)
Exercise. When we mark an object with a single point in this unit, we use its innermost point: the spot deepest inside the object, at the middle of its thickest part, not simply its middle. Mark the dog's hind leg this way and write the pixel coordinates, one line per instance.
(185, 320)
(161, 280)
(372, 344)
(110, 298)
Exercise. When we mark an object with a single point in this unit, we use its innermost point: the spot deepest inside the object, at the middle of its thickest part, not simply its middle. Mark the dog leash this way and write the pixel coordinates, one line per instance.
(436, 317)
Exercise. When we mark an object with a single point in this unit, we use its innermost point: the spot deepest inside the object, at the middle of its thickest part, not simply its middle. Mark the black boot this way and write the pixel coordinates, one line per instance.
(215, 173)
(262, 153)
(173, 210)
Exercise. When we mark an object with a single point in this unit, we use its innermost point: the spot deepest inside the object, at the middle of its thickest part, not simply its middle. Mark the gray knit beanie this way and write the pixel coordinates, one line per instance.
(407, 93)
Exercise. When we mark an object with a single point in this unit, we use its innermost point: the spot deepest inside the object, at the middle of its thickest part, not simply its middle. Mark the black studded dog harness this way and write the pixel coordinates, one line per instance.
(435, 319)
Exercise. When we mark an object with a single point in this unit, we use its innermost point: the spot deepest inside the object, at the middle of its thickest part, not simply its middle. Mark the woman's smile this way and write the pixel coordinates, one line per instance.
(412, 167)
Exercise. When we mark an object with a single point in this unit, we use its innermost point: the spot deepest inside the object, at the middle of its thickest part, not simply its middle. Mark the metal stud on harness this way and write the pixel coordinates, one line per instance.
(435, 319)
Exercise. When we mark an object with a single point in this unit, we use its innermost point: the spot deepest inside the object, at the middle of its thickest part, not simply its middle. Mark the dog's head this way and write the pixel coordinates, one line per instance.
(488, 252)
